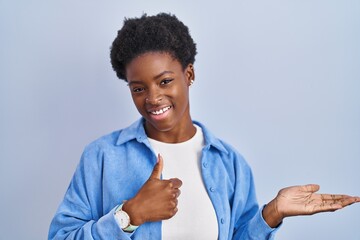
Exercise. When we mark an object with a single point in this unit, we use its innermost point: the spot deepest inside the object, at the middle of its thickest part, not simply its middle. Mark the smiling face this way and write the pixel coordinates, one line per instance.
(159, 87)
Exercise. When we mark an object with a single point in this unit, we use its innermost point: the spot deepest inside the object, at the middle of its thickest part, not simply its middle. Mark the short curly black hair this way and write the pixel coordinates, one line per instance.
(160, 33)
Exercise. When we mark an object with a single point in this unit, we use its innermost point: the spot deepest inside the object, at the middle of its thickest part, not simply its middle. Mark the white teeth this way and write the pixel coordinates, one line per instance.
(161, 111)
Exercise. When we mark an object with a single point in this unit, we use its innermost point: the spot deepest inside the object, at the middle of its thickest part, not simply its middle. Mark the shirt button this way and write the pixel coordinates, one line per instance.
(212, 189)
(205, 164)
(222, 221)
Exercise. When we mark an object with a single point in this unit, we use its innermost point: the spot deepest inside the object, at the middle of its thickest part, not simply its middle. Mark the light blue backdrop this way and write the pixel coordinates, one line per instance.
(279, 80)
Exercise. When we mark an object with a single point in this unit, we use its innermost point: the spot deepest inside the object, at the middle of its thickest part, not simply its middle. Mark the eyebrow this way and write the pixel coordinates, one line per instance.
(156, 77)
(164, 72)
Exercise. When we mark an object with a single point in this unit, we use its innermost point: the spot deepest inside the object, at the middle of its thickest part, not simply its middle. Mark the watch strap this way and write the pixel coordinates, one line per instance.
(130, 228)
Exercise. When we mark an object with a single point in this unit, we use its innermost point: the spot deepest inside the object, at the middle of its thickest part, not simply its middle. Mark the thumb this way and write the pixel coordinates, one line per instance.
(311, 188)
(158, 168)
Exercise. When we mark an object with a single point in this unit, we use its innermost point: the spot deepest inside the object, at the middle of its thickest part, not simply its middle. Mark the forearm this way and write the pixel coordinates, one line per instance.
(76, 226)
(255, 228)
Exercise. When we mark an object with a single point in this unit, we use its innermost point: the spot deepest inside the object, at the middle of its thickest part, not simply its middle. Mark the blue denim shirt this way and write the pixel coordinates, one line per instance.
(114, 168)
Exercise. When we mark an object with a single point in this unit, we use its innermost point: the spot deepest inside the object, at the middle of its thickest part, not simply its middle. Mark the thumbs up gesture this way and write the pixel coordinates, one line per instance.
(156, 200)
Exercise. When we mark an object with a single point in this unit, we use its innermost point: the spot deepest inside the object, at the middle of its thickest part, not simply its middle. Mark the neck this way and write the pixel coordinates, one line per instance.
(175, 135)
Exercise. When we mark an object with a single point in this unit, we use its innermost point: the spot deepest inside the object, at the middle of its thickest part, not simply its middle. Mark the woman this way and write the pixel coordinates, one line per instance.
(127, 184)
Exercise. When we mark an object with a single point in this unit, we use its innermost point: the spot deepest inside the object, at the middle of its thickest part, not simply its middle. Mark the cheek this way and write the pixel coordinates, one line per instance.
(181, 91)
(138, 103)
(182, 94)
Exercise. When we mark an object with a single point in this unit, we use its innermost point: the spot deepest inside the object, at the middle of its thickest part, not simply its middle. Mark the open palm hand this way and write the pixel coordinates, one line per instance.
(303, 200)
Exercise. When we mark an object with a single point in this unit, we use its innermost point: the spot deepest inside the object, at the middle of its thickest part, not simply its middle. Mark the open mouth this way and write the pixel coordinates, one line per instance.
(161, 111)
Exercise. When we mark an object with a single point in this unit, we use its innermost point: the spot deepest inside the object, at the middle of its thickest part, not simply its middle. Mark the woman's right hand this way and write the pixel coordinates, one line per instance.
(156, 200)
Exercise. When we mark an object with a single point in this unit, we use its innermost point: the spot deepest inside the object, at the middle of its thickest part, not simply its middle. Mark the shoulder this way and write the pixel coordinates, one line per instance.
(228, 153)
(234, 158)
(116, 139)
(103, 143)
(93, 154)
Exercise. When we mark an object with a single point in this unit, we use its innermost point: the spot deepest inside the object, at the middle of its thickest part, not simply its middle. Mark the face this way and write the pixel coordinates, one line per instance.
(159, 87)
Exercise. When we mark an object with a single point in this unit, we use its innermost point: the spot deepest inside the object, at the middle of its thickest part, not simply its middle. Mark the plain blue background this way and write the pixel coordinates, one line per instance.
(279, 80)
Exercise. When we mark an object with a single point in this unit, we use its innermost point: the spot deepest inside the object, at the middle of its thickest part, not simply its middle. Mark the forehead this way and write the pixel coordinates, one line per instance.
(151, 64)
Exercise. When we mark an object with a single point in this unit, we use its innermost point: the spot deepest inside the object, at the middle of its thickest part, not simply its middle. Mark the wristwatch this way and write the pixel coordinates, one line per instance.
(123, 220)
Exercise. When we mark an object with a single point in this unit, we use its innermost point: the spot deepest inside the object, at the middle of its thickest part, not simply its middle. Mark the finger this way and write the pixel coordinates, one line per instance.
(329, 207)
(158, 168)
(175, 203)
(348, 201)
(176, 193)
(176, 183)
(333, 196)
(332, 204)
(310, 188)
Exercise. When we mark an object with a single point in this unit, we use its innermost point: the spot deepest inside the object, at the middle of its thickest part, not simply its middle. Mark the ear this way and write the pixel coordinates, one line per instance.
(190, 74)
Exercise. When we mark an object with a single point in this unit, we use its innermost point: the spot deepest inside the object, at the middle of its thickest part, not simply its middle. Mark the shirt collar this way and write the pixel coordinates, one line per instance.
(134, 131)
(210, 139)
(137, 131)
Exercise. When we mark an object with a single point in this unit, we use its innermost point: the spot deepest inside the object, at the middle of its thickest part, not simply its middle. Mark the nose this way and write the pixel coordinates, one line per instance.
(154, 97)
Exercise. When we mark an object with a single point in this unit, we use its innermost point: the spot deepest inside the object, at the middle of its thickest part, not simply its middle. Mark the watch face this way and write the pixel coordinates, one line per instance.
(123, 219)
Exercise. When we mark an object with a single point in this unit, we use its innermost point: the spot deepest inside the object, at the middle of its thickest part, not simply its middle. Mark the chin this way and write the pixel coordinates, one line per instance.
(160, 127)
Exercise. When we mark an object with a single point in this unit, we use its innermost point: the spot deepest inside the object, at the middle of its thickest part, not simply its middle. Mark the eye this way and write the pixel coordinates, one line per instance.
(137, 89)
(166, 81)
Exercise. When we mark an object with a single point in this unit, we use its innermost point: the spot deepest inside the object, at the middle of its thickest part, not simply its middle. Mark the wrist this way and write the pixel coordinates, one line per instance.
(271, 214)
(130, 208)
(123, 219)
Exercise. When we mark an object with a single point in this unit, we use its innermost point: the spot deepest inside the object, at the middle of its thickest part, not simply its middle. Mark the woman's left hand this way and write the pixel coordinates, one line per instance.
(303, 200)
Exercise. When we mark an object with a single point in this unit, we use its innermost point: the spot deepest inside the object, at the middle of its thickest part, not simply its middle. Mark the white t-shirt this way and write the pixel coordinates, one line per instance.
(196, 218)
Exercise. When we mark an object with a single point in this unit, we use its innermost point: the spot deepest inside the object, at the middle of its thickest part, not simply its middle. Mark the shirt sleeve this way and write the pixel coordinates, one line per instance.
(257, 229)
(80, 215)
(250, 224)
